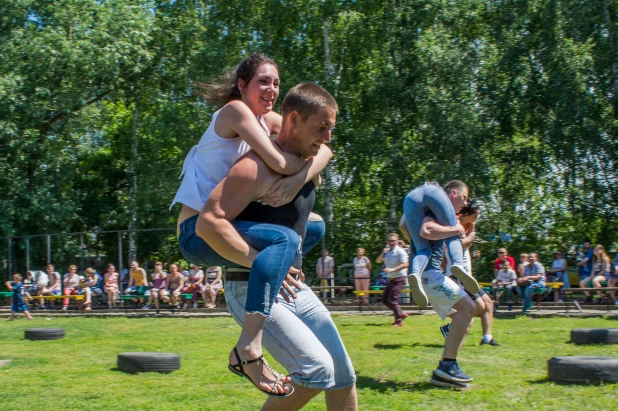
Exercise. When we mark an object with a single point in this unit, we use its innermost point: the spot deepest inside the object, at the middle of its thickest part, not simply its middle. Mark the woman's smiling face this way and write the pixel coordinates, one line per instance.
(262, 91)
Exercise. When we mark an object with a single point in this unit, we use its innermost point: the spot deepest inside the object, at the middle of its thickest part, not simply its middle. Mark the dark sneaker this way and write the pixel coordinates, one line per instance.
(466, 279)
(445, 329)
(450, 371)
(492, 342)
(444, 383)
(417, 291)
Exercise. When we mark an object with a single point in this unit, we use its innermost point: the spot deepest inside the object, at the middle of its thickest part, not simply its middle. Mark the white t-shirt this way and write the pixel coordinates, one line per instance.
(361, 268)
(329, 265)
(507, 276)
(394, 258)
(558, 264)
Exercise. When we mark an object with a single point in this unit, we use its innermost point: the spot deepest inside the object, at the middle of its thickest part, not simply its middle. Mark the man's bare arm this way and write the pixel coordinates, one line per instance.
(246, 181)
(431, 230)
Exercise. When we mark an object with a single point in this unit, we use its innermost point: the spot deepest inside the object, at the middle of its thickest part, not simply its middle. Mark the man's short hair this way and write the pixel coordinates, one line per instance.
(391, 235)
(533, 253)
(158, 263)
(306, 99)
(587, 240)
(455, 185)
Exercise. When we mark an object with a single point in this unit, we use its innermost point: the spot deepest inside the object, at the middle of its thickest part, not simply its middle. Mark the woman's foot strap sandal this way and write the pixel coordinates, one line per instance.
(238, 369)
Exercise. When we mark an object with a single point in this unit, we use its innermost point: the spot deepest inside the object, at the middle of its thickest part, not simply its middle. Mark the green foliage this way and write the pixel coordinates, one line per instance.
(516, 98)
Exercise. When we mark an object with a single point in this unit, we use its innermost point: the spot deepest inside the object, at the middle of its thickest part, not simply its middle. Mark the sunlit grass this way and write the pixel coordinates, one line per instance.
(393, 366)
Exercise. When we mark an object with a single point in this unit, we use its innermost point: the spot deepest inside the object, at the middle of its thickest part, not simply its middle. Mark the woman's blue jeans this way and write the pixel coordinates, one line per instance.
(277, 246)
(429, 197)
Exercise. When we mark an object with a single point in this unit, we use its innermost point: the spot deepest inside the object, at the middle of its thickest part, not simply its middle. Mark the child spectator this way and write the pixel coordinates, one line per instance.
(212, 286)
(193, 285)
(505, 279)
(559, 272)
(362, 273)
(92, 285)
(111, 285)
(71, 285)
(19, 302)
(53, 285)
(600, 264)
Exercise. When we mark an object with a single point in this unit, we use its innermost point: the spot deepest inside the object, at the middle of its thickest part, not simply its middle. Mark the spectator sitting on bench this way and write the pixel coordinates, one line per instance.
(53, 286)
(505, 280)
(600, 265)
(71, 285)
(612, 279)
(138, 282)
(159, 287)
(175, 282)
(92, 285)
(213, 285)
(193, 285)
(534, 277)
(559, 273)
(111, 285)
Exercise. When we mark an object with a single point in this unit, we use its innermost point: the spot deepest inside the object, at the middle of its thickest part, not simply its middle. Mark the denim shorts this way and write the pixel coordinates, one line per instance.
(302, 337)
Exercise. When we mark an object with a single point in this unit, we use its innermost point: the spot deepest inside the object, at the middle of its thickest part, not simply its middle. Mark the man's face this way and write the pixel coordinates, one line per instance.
(502, 254)
(587, 245)
(50, 269)
(325, 253)
(392, 242)
(458, 198)
(309, 134)
(532, 258)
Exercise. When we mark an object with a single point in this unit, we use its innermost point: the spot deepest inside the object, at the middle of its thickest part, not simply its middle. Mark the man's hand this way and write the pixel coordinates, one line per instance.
(460, 231)
(282, 192)
(286, 290)
(388, 270)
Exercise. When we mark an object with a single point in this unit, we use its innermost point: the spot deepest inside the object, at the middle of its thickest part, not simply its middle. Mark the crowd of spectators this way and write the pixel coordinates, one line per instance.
(138, 286)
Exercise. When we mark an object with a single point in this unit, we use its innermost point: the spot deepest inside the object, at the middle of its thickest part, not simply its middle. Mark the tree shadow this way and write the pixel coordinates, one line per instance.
(382, 386)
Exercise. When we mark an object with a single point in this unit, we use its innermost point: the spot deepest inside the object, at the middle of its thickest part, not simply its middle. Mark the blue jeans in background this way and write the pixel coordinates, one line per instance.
(429, 197)
(278, 246)
(315, 232)
(527, 291)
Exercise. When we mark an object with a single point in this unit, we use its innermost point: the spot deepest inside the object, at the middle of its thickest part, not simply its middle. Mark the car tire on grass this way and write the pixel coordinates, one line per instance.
(134, 362)
(594, 335)
(582, 370)
(35, 334)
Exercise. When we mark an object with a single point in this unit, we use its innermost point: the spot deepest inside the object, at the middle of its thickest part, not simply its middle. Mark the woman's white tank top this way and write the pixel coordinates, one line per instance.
(207, 163)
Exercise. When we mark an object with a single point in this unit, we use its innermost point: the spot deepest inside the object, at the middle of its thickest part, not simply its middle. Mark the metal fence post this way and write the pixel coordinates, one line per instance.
(48, 249)
(120, 262)
(10, 259)
(81, 253)
(27, 253)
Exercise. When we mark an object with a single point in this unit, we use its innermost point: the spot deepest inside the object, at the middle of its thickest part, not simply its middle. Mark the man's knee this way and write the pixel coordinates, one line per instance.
(466, 308)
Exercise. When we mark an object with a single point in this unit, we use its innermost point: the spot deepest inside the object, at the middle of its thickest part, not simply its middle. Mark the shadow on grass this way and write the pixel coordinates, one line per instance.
(383, 386)
(427, 345)
(543, 380)
(365, 325)
(388, 346)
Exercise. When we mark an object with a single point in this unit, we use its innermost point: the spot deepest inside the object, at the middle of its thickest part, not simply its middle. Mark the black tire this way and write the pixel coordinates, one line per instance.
(582, 370)
(134, 362)
(35, 334)
(594, 335)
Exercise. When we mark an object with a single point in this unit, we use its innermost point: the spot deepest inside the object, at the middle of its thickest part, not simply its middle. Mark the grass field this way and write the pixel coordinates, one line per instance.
(393, 366)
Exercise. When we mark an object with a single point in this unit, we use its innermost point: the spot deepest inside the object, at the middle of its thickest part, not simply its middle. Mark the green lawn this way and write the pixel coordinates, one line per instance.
(393, 366)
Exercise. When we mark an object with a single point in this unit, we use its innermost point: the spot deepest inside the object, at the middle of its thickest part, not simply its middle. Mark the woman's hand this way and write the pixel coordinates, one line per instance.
(283, 191)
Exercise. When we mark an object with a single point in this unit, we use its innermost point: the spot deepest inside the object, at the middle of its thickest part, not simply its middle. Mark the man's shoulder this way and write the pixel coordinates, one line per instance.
(251, 167)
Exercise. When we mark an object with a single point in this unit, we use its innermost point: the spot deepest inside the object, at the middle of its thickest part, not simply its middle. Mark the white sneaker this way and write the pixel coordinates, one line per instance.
(146, 307)
(185, 306)
(194, 305)
(416, 288)
(466, 279)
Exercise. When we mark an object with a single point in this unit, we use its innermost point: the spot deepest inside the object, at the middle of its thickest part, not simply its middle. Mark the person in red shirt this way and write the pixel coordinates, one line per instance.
(503, 256)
